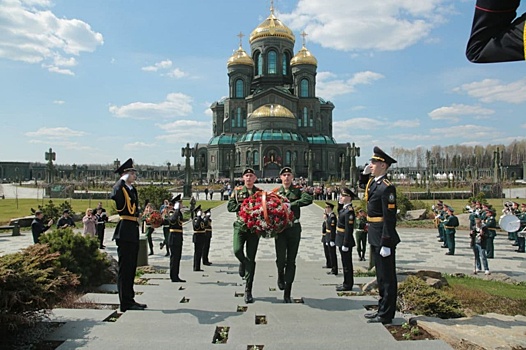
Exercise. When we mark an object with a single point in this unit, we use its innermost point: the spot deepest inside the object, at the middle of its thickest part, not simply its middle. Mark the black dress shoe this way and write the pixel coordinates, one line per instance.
(371, 315)
(519, 251)
(448, 253)
(208, 263)
(242, 270)
(179, 280)
(343, 288)
(379, 319)
(132, 307)
(248, 297)
(167, 254)
(151, 253)
(443, 246)
(144, 306)
(326, 267)
(198, 270)
(332, 273)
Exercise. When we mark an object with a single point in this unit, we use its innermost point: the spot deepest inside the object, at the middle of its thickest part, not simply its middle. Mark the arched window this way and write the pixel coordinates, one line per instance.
(288, 159)
(311, 121)
(259, 63)
(305, 117)
(244, 117)
(240, 89)
(233, 119)
(304, 88)
(299, 122)
(238, 117)
(255, 158)
(285, 64)
(238, 158)
(272, 62)
(295, 158)
(248, 158)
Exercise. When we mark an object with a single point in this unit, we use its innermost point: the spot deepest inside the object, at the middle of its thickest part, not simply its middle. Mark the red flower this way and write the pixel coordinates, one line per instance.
(154, 219)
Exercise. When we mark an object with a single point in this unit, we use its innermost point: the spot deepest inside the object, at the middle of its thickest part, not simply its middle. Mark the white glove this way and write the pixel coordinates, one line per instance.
(325, 243)
(385, 252)
(199, 213)
(125, 177)
(345, 249)
(366, 170)
(177, 205)
(332, 244)
(208, 214)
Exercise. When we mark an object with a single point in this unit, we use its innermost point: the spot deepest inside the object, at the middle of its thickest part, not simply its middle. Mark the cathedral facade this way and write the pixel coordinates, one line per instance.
(272, 116)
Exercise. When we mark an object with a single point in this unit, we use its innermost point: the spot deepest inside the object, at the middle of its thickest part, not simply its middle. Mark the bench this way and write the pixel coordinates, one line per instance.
(15, 229)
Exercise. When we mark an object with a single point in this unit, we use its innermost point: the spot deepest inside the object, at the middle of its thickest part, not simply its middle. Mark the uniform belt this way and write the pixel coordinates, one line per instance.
(176, 230)
(339, 229)
(208, 230)
(360, 230)
(375, 219)
(449, 226)
(199, 231)
(129, 218)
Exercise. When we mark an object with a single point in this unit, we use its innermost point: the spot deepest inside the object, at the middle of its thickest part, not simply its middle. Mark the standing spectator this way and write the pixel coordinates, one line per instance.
(222, 191)
(102, 219)
(90, 223)
(127, 234)
(65, 220)
(380, 195)
(206, 193)
(192, 206)
(211, 193)
(38, 227)
(479, 234)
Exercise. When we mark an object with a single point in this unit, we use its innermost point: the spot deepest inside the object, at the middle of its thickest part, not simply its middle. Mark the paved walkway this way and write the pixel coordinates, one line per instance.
(323, 321)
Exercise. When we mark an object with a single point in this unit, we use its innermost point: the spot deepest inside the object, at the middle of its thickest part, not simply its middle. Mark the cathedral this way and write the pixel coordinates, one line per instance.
(272, 117)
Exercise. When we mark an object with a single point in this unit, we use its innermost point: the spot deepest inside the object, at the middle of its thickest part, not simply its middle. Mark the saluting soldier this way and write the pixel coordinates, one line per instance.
(491, 224)
(127, 234)
(199, 237)
(450, 227)
(175, 237)
(287, 242)
(208, 236)
(380, 195)
(330, 237)
(344, 237)
(242, 235)
(496, 35)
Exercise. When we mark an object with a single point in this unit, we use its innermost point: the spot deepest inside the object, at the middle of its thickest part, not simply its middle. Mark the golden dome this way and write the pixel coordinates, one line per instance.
(272, 27)
(304, 57)
(240, 57)
(271, 110)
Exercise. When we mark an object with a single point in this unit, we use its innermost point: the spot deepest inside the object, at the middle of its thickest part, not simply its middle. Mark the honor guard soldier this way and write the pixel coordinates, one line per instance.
(199, 237)
(127, 234)
(491, 224)
(496, 36)
(344, 237)
(287, 242)
(450, 227)
(242, 235)
(380, 195)
(330, 238)
(208, 236)
(175, 238)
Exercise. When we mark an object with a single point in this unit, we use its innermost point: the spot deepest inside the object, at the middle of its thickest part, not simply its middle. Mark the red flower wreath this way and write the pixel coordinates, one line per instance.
(266, 214)
(155, 219)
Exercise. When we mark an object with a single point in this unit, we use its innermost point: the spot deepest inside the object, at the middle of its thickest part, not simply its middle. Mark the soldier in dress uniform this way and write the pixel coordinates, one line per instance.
(126, 234)
(208, 236)
(520, 234)
(491, 224)
(242, 235)
(330, 237)
(380, 195)
(344, 237)
(450, 226)
(496, 35)
(360, 232)
(287, 242)
(175, 237)
(166, 212)
(199, 238)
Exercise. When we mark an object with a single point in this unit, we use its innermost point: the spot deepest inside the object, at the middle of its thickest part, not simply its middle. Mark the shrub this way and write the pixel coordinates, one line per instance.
(79, 254)
(416, 297)
(155, 194)
(31, 282)
(51, 211)
(403, 203)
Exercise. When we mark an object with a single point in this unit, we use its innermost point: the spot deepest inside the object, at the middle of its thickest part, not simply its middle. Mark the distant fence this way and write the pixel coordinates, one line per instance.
(439, 195)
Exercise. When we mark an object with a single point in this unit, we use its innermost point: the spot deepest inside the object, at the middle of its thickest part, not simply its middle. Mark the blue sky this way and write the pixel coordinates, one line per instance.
(104, 79)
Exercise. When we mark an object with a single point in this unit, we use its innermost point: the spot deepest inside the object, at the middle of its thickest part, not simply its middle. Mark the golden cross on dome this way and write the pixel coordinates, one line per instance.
(272, 6)
(240, 36)
(304, 35)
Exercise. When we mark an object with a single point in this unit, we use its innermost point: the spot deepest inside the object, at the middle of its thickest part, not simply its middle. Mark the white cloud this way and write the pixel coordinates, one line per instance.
(164, 67)
(137, 145)
(381, 25)
(493, 90)
(455, 112)
(55, 133)
(31, 33)
(415, 123)
(176, 73)
(468, 131)
(329, 87)
(182, 131)
(159, 65)
(59, 102)
(175, 105)
(417, 136)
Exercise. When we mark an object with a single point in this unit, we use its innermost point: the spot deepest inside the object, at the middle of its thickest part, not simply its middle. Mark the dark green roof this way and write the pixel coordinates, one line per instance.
(321, 139)
(224, 139)
(272, 135)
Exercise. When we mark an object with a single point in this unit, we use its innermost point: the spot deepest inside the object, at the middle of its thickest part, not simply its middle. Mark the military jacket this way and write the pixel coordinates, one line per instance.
(491, 224)
(522, 218)
(381, 213)
(237, 197)
(297, 198)
(451, 224)
(208, 225)
(360, 223)
(127, 204)
(199, 225)
(175, 221)
(330, 226)
(345, 227)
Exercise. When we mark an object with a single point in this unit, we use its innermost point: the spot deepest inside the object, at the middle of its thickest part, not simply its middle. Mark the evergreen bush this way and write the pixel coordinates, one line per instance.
(417, 297)
(79, 254)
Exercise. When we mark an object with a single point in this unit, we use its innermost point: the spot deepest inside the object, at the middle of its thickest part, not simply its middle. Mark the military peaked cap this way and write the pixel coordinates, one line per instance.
(346, 192)
(329, 204)
(176, 199)
(381, 156)
(197, 208)
(126, 166)
(285, 170)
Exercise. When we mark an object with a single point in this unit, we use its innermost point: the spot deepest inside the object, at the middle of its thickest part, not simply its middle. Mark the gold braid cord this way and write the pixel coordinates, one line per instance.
(131, 207)
(366, 196)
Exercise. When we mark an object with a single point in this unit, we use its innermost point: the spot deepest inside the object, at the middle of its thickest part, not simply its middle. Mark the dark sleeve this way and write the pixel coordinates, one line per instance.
(389, 215)
(349, 226)
(333, 228)
(495, 35)
(233, 205)
(118, 196)
(305, 199)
